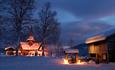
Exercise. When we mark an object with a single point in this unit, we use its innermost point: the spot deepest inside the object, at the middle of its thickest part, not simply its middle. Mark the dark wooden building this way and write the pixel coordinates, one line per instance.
(102, 47)
(10, 51)
(111, 47)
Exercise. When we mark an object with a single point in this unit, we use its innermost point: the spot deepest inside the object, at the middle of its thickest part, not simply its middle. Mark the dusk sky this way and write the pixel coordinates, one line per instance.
(84, 10)
(83, 17)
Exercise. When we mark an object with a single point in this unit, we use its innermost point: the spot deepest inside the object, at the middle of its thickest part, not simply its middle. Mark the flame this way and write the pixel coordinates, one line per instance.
(66, 61)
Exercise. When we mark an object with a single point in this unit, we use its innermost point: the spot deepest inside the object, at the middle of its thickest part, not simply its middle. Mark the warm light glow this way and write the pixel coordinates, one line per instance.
(66, 61)
(95, 39)
(79, 62)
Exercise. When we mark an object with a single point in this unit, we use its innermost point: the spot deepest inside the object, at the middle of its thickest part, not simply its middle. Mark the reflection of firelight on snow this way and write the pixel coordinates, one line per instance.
(66, 61)
(78, 62)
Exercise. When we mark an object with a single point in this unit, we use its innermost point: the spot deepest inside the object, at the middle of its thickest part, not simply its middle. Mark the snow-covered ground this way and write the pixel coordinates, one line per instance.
(46, 63)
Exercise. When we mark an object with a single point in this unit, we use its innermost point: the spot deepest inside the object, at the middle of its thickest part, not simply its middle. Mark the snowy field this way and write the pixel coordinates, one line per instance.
(46, 63)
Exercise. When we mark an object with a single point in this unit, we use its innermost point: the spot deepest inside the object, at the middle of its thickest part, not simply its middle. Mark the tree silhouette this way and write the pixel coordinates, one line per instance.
(48, 26)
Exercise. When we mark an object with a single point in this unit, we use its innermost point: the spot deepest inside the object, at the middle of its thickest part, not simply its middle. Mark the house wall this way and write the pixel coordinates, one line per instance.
(23, 52)
(10, 51)
(98, 50)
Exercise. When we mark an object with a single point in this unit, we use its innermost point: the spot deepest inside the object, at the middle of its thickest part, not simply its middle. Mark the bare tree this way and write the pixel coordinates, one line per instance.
(20, 12)
(48, 26)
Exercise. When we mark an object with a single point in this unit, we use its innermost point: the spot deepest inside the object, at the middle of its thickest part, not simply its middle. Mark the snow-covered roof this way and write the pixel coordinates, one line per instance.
(95, 39)
(71, 51)
(9, 48)
(26, 46)
(100, 36)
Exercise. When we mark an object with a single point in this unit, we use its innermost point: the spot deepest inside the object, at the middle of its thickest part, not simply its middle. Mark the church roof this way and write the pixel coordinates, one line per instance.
(26, 46)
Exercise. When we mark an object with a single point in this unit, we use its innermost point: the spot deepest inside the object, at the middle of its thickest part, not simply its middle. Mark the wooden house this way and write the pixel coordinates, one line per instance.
(102, 47)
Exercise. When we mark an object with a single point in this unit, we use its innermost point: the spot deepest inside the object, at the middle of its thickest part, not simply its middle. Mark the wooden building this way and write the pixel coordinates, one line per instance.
(102, 47)
(71, 55)
(30, 47)
(10, 51)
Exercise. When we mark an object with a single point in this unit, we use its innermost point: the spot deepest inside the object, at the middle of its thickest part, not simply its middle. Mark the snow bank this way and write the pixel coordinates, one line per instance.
(46, 63)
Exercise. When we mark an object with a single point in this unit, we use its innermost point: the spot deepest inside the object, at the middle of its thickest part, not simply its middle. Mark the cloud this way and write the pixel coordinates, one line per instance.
(78, 30)
(107, 19)
(65, 16)
(85, 8)
(83, 17)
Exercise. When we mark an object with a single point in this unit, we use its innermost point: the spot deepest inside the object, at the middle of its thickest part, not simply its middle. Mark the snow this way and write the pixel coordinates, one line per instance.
(95, 39)
(46, 63)
(72, 51)
(104, 33)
